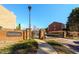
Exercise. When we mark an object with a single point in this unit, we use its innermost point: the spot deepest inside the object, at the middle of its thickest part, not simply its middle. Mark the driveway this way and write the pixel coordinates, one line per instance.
(44, 48)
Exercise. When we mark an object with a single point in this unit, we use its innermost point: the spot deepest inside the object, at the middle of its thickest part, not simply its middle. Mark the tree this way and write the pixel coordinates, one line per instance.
(18, 27)
(73, 20)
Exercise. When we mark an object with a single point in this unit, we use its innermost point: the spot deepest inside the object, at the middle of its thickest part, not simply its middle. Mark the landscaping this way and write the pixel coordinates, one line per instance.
(59, 47)
(23, 47)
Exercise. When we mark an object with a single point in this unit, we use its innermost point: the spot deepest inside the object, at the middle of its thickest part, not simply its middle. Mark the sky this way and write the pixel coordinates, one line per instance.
(41, 14)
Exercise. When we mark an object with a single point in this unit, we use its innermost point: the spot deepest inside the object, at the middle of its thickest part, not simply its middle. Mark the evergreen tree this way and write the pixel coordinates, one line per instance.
(18, 27)
(73, 20)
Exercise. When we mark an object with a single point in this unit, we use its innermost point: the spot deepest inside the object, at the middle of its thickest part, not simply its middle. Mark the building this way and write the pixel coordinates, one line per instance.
(7, 18)
(55, 26)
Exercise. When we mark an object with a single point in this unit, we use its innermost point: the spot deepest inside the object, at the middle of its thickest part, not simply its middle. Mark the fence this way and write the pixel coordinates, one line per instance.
(56, 34)
(72, 34)
(24, 34)
(10, 34)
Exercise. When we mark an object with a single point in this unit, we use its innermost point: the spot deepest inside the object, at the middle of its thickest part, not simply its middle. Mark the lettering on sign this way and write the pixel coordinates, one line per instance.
(11, 34)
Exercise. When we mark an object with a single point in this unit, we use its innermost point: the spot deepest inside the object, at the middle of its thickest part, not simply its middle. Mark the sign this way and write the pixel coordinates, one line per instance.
(14, 34)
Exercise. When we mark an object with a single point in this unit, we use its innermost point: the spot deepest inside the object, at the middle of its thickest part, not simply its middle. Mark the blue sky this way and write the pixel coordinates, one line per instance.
(42, 14)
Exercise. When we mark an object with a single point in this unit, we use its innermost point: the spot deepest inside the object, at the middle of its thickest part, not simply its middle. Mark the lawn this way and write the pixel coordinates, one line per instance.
(22, 47)
(60, 48)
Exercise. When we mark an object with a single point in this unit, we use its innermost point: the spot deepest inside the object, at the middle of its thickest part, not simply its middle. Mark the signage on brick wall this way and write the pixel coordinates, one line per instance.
(11, 34)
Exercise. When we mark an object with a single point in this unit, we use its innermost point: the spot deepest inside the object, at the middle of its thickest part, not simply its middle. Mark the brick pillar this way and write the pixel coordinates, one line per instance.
(41, 34)
(32, 34)
(24, 35)
(65, 34)
(27, 34)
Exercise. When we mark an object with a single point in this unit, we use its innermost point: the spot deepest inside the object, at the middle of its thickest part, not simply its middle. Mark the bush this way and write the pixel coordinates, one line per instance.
(27, 46)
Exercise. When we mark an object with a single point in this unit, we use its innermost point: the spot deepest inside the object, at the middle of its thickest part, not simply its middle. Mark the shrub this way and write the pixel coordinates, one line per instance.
(27, 46)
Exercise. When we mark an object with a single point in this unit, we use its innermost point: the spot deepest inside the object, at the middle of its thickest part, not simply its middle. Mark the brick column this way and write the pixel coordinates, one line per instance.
(32, 34)
(24, 35)
(41, 34)
(27, 34)
(65, 34)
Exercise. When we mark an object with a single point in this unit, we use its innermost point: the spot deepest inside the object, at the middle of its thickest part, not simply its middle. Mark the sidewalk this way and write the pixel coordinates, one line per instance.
(44, 48)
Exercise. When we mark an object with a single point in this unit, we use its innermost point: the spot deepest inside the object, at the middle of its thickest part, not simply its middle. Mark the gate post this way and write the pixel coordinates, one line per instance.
(65, 34)
(32, 35)
(24, 34)
(41, 34)
(27, 34)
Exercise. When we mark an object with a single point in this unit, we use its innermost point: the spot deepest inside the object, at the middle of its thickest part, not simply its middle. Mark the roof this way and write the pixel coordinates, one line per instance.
(56, 23)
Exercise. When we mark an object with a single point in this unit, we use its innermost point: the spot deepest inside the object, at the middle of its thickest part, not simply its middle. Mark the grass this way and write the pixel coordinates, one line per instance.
(54, 43)
(23, 47)
(5, 50)
(73, 38)
(76, 38)
(59, 47)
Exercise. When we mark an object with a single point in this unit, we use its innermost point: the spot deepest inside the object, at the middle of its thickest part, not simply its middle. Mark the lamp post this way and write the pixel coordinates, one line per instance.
(29, 8)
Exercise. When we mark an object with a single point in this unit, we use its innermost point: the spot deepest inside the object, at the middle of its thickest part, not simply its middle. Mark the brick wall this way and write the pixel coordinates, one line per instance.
(12, 35)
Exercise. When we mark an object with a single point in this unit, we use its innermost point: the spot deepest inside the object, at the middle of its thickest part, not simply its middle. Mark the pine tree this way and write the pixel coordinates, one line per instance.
(73, 20)
(18, 27)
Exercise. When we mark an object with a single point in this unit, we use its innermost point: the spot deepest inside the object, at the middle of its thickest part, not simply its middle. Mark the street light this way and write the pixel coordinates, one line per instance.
(29, 7)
